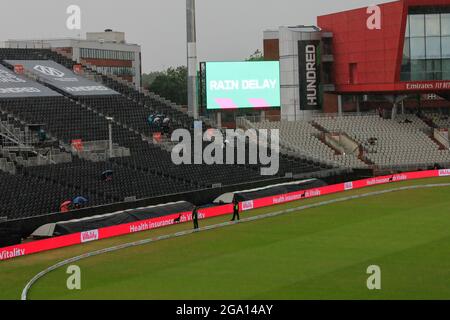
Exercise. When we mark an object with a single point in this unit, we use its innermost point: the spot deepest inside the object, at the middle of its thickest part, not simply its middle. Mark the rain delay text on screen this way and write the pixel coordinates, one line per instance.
(230, 85)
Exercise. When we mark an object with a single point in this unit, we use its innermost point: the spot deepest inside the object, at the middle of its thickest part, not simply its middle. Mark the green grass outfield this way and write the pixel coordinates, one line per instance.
(319, 253)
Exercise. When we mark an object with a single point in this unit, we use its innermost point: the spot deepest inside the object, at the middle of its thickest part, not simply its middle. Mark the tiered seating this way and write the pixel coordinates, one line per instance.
(124, 110)
(24, 196)
(302, 138)
(140, 106)
(441, 120)
(148, 172)
(151, 158)
(9, 121)
(62, 117)
(183, 119)
(126, 182)
(23, 54)
(411, 121)
(390, 143)
(135, 116)
(150, 101)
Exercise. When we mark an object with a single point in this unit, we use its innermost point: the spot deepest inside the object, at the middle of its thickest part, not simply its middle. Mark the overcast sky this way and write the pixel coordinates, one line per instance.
(226, 29)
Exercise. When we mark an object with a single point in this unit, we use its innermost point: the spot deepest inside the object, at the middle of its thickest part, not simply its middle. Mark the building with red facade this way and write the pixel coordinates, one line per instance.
(393, 55)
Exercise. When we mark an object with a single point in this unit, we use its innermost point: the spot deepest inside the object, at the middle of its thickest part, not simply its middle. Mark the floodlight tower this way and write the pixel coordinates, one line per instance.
(191, 58)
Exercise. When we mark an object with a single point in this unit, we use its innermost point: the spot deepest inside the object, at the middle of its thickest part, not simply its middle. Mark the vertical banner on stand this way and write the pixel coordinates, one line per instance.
(309, 65)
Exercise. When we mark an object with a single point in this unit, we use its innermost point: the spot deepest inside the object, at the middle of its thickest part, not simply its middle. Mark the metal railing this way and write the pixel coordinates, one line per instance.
(277, 118)
(25, 139)
(344, 114)
(411, 167)
(28, 44)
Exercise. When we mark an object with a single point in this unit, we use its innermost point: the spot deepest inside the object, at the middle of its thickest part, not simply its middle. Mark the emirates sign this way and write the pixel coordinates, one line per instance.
(427, 85)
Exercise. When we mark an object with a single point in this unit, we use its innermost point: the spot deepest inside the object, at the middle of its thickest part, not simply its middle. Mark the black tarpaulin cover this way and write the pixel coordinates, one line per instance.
(277, 190)
(121, 217)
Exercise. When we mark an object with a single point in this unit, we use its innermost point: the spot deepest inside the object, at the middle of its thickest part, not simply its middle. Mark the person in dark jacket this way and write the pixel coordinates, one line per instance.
(42, 135)
(235, 210)
(166, 123)
(195, 217)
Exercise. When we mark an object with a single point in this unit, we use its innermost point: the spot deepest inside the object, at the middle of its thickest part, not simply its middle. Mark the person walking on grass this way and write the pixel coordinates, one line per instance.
(195, 217)
(235, 209)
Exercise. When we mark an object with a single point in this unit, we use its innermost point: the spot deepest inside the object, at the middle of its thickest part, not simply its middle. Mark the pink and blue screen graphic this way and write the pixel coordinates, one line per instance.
(235, 85)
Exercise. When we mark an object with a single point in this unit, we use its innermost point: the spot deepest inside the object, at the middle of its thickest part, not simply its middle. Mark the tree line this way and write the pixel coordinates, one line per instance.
(172, 83)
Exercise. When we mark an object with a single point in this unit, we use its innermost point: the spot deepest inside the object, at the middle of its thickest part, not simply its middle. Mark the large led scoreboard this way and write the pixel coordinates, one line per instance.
(236, 85)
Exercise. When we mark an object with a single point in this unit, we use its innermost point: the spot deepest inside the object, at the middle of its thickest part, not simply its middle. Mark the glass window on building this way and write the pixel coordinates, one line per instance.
(417, 25)
(417, 48)
(407, 34)
(418, 69)
(446, 47)
(434, 69)
(426, 53)
(433, 48)
(433, 25)
(107, 54)
(445, 24)
(407, 50)
(446, 69)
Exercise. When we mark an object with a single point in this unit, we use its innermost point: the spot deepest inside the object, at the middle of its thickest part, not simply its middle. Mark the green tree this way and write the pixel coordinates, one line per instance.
(171, 84)
(256, 56)
(148, 78)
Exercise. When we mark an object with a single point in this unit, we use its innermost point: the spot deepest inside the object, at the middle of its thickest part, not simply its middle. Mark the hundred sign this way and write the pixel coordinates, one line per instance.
(309, 73)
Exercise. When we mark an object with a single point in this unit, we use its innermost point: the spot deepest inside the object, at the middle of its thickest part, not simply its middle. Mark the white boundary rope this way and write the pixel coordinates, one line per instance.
(211, 227)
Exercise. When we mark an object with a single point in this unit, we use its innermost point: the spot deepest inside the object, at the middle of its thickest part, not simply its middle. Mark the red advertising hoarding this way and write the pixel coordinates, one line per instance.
(18, 69)
(157, 136)
(114, 231)
(78, 68)
(77, 145)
